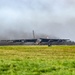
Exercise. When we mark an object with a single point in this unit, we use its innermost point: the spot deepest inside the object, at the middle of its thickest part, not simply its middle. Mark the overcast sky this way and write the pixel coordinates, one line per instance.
(50, 17)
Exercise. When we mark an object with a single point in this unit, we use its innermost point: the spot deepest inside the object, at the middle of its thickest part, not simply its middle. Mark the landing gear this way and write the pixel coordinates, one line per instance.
(49, 44)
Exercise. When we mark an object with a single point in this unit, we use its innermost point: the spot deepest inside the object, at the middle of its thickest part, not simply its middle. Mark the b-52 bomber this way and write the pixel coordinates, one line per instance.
(40, 41)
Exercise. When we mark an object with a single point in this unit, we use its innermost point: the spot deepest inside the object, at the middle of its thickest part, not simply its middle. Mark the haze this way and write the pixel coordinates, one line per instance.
(46, 17)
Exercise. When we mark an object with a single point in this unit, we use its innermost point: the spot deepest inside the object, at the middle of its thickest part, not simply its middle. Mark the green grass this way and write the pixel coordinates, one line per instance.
(37, 60)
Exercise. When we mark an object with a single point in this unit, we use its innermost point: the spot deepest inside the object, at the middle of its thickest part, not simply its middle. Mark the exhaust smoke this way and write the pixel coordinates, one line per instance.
(51, 17)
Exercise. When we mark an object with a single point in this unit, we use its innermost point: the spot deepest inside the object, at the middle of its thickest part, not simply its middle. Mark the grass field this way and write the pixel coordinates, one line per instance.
(37, 60)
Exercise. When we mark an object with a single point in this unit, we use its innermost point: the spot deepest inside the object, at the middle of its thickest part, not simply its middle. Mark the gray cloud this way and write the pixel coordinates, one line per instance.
(50, 17)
